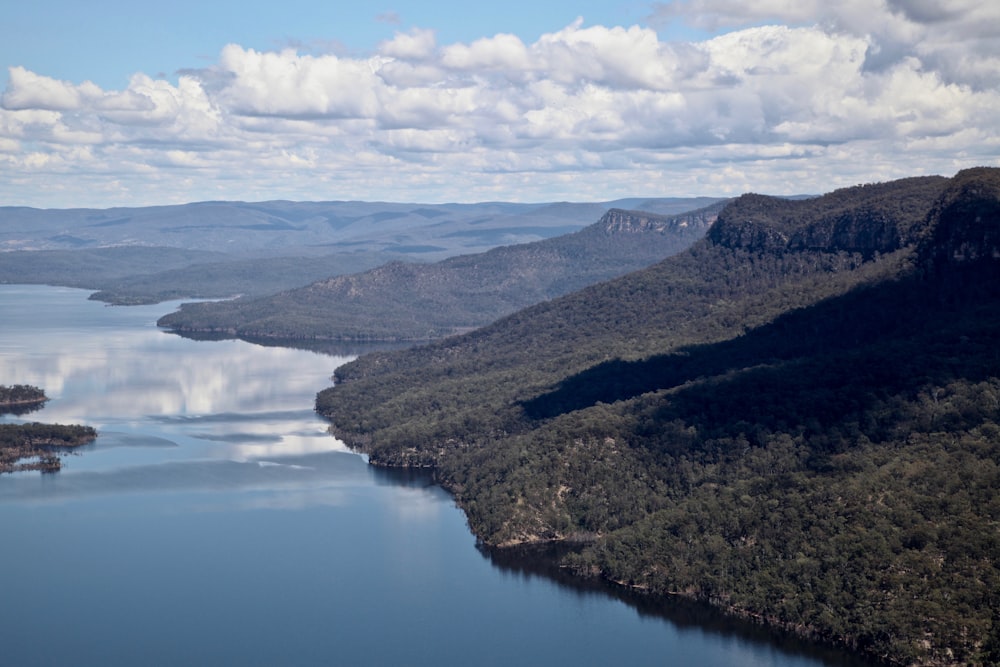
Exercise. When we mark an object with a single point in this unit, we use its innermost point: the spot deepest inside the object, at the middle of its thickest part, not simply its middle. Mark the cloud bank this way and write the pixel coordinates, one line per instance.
(788, 97)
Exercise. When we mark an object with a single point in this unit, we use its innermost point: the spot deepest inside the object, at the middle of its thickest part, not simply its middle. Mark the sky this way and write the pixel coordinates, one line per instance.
(113, 103)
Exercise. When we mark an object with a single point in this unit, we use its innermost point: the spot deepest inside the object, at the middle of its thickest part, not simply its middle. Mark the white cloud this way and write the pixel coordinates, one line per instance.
(958, 38)
(820, 95)
(289, 84)
(715, 14)
(414, 45)
(27, 90)
(501, 52)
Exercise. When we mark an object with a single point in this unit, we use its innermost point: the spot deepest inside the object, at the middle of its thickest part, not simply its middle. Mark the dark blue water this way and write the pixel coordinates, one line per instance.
(214, 522)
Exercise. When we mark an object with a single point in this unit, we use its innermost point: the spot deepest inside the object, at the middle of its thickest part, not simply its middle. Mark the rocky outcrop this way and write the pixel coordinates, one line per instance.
(866, 219)
(965, 222)
(867, 231)
(621, 221)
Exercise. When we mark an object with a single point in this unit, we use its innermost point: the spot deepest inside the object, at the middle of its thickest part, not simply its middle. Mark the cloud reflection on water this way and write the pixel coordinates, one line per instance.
(149, 373)
(172, 413)
(113, 439)
(221, 476)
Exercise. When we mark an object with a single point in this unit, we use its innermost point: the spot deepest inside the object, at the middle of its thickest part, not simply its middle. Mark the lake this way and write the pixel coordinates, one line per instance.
(214, 521)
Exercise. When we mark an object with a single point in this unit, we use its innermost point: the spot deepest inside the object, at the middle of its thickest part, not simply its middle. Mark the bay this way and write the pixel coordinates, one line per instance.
(214, 521)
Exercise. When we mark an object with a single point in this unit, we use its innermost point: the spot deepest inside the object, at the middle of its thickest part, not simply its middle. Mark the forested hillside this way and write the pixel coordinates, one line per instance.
(138, 275)
(797, 420)
(406, 301)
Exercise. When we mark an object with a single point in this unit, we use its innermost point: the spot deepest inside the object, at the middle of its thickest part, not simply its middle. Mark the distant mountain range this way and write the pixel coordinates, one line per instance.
(224, 249)
(406, 301)
(797, 419)
(312, 228)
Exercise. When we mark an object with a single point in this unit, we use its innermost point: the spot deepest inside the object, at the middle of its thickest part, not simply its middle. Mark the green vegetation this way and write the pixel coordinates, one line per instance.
(138, 275)
(93, 268)
(228, 278)
(41, 442)
(19, 395)
(797, 419)
(406, 302)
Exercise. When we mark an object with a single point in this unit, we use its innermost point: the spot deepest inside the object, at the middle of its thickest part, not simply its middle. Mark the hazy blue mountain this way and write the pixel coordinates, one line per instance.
(224, 249)
(317, 228)
(407, 301)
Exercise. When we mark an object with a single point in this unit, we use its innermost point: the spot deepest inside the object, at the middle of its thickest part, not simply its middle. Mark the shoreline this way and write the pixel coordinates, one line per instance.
(45, 442)
(552, 549)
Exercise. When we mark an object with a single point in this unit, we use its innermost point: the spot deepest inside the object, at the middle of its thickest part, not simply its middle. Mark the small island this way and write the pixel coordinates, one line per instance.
(20, 396)
(34, 446)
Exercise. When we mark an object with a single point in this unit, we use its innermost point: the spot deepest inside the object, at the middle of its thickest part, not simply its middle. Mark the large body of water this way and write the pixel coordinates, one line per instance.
(214, 522)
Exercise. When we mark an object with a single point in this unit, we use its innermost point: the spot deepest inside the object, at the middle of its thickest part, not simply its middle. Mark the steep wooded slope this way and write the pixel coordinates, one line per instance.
(402, 301)
(797, 421)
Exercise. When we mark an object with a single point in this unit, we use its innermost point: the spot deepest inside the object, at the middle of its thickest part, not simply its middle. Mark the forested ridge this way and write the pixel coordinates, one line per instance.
(415, 302)
(797, 419)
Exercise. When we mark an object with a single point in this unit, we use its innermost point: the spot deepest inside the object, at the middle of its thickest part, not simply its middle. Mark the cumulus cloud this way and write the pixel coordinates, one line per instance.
(787, 97)
(289, 84)
(958, 38)
(27, 90)
(416, 44)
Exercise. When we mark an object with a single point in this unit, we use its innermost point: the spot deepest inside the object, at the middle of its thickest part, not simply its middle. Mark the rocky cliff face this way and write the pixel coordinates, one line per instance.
(621, 221)
(753, 221)
(867, 231)
(867, 219)
(965, 222)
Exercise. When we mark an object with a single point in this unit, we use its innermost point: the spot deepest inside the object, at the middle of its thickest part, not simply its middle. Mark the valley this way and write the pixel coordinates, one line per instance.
(783, 408)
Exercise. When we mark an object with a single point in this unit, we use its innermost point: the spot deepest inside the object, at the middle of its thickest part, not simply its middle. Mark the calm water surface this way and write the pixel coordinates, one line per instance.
(215, 522)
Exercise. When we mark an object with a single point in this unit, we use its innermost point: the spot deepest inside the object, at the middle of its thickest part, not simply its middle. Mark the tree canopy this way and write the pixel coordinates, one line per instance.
(797, 419)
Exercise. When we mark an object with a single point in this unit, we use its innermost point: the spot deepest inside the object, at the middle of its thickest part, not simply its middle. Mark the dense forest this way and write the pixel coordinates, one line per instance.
(796, 420)
(415, 302)
(40, 443)
(20, 395)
